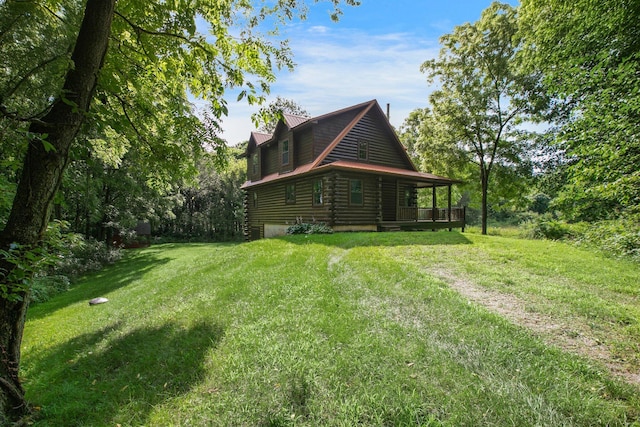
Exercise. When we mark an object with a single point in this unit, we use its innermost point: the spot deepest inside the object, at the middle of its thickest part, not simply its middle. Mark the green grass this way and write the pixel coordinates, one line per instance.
(341, 330)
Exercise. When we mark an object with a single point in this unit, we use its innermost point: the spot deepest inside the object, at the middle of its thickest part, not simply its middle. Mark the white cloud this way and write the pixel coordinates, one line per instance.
(337, 68)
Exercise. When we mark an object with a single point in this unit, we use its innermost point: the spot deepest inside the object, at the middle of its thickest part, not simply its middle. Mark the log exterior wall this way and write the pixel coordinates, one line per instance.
(346, 213)
(304, 147)
(271, 207)
(266, 204)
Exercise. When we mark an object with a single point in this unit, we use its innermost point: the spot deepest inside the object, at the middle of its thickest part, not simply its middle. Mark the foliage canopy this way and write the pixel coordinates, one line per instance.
(482, 98)
(589, 53)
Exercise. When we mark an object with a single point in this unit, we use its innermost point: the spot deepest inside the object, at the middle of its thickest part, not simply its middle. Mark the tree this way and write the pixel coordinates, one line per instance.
(482, 98)
(589, 53)
(267, 118)
(427, 141)
(122, 73)
(212, 207)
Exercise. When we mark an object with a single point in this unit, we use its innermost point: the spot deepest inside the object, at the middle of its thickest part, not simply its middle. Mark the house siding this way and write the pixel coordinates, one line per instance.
(304, 147)
(271, 163)
(381, 150)
(389, 199)
(327, 130)
(272, 209)
(345, 213)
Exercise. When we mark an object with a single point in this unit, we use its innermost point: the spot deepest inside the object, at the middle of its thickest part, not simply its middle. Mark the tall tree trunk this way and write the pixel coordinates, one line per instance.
(40, 179)
(484, 179)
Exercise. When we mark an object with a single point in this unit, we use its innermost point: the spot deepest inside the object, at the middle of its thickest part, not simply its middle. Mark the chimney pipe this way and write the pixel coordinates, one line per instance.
(388, 111)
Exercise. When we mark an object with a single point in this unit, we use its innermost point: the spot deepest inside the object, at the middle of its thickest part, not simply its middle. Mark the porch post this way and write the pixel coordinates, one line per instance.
(414, 202)
(449, 203)
(434, 211)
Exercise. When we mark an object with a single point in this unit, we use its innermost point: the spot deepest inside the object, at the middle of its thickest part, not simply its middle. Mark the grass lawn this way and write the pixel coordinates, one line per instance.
(340, 330)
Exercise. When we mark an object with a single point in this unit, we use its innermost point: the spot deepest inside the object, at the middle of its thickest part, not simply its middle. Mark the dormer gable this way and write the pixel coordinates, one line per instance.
(254, 156)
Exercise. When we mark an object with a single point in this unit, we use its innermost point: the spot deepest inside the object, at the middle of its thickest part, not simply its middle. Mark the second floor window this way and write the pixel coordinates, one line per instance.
(363, 149)
(254, 163)
(285, 153)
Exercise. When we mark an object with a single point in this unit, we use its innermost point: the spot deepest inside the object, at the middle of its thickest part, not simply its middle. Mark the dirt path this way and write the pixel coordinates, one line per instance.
(571, 335)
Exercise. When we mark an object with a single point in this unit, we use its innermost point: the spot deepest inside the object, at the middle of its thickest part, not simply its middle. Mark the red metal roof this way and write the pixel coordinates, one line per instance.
(260, 138)
(293, 121)
(349, 166)
(426, 179)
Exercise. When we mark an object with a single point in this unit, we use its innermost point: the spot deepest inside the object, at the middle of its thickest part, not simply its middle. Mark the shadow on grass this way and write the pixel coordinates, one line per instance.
(132, 267)
(109, 376)
(348, 240)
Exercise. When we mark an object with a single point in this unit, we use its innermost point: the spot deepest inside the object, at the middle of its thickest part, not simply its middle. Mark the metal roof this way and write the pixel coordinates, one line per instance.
(317, 166)
(293, 121)
(260, 138)
(420, 177)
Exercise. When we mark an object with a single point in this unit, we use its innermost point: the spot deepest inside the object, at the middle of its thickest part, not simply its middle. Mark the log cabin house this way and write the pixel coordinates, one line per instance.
(347, 169)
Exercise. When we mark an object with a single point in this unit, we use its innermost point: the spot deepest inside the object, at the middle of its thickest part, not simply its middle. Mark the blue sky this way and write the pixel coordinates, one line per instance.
(373, 52)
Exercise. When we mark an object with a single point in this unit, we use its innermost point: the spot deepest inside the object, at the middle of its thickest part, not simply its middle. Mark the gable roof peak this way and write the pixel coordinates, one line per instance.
(261, 137)
(292, 120)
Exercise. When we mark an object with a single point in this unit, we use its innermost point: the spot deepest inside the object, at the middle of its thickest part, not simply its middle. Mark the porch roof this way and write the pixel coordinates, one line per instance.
(420, 178)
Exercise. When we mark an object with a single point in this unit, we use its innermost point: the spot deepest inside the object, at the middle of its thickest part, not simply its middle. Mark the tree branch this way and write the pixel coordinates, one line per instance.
(123, 103)
(139, 29)
(28, 74)
(33, 119)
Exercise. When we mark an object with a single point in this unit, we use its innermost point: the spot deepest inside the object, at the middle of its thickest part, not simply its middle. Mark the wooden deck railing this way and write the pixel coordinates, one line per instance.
(407, 214)
(427, 214)
(441, 214)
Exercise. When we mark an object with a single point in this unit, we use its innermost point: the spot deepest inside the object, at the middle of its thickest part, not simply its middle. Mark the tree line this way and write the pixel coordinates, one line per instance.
(536, 108)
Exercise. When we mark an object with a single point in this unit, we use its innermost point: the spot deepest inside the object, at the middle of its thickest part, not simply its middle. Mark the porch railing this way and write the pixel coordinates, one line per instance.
(441, 214)
(427, 214)
(407, 213)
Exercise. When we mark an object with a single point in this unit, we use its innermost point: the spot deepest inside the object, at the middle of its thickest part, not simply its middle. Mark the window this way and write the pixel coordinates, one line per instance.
(408, 197)
(255, 199)
(254, 163)
(317, 192)
(290, 193)
(355, 193)
(285, 152)
(363, 149)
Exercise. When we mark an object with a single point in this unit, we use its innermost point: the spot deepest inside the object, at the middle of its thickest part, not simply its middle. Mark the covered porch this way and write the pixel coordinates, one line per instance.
(404, 205)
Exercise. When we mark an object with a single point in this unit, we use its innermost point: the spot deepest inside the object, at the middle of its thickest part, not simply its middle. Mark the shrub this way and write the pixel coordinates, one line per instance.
(49, 268)
(615, 237)
(43, 288)
(85, 255)
(309, 228)
(618, 238)
(547, 227)
(74, 256)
